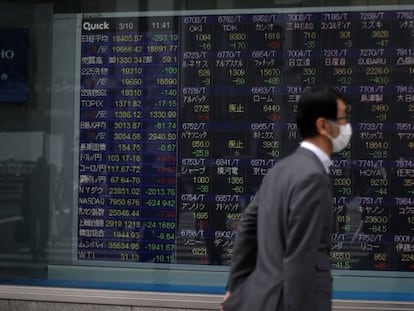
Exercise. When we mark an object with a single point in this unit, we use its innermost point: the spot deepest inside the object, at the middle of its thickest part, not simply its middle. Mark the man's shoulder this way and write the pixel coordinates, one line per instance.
(300, 160)
(299, 155)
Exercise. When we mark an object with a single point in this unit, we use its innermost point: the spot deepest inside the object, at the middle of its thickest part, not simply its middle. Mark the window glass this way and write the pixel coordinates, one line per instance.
(134, 135)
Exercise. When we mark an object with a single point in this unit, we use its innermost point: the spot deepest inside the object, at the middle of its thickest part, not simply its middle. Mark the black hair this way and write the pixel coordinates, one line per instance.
(316, 102)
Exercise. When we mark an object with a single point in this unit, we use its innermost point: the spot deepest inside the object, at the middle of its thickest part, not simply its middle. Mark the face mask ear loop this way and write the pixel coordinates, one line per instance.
(334, 124)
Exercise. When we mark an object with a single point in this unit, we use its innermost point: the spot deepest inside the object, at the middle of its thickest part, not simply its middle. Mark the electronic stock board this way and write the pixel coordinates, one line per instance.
(181, 116)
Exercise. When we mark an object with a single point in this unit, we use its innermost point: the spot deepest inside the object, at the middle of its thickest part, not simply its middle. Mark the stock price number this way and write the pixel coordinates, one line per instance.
(167, 236)
(123, 103)
(376, 219)
(160, 224)
(129, 257)
(129, 147)
(131, 92)
(165, 37)
(166, 147)
(160, 247)
(378, 228)
(158, 202)
(271, 108)
(235, 180)
(169, 92)
(165, 125)
(124, 202)
(199, 251)
(127, 38)
(127, 60)
(167, 81)
(131, 81)
(407, 257)
(113, 212)
(123, 245)
(131, 70)
(200, 215)
(127, 49)
(163, 114)
(167, 59)
(129, 224)
(162, 48)
(341, 260)
(125, 180)
(127, 136)
(164, 258)
(160, 191)
(127, 114)
(234, 216)
(162, 136)
(136, 169)
(127, 125)
(126, 235)
(166, 103)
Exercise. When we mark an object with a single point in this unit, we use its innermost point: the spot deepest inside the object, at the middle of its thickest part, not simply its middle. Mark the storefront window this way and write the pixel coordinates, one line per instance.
(134, 135)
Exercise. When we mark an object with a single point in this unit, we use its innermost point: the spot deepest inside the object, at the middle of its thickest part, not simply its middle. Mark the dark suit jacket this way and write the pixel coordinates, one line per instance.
(281, 254)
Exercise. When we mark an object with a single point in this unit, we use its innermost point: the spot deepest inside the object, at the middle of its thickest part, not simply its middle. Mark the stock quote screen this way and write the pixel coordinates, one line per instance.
(180, 117)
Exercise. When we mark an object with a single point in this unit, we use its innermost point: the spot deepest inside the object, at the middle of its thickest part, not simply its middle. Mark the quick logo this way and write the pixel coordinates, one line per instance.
(95, 26)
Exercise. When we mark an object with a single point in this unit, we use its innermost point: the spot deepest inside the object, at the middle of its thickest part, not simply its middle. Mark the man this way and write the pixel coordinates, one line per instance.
(281, 254)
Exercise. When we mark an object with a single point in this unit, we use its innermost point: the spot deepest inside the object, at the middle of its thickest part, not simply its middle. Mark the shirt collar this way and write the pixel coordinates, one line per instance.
(322, 156)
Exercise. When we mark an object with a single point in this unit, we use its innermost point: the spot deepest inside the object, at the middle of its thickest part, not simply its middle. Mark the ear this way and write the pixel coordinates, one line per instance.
(322, 126)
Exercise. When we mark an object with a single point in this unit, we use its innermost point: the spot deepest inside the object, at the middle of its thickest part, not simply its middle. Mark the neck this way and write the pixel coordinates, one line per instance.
(322, 142)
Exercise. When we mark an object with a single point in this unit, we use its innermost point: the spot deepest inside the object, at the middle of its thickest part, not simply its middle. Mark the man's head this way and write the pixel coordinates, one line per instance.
(321, 117)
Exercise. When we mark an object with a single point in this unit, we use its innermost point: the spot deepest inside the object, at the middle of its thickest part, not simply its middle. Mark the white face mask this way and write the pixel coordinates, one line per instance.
(341, 141)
